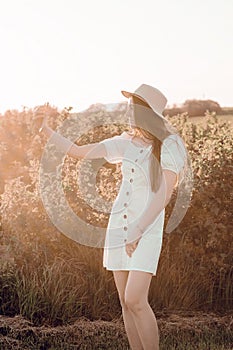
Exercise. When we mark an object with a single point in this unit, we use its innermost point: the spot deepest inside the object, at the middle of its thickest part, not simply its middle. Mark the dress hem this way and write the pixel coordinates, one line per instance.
(119, 269)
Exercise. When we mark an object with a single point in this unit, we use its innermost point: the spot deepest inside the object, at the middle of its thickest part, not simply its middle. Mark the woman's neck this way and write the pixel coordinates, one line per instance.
(140, 138)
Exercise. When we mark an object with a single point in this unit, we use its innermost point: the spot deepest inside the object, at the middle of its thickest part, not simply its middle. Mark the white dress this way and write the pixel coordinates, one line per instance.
(131, 201)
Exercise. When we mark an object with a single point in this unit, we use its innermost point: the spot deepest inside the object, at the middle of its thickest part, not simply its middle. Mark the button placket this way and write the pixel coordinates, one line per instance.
(131, 180)
(125, 215)
(125, 226)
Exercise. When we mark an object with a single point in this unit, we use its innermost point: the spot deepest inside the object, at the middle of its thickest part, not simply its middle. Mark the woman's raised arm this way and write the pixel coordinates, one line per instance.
(89, 151)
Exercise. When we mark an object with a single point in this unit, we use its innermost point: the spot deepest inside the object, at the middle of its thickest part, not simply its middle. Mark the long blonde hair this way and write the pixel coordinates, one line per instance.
(151, 122)
(155, 170)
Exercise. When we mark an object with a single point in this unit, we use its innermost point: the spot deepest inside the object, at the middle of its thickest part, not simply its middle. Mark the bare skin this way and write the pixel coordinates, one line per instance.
(97, 150)
(139, 320)
(133, 286)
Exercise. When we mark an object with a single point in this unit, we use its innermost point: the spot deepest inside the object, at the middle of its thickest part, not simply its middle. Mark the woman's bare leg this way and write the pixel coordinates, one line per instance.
(120, 278)
(136, 298)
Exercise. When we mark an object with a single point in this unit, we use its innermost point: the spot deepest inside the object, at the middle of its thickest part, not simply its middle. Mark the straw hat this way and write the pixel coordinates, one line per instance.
(152, 96)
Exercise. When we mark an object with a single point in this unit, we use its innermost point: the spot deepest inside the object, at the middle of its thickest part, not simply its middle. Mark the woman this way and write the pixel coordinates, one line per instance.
(152, 157)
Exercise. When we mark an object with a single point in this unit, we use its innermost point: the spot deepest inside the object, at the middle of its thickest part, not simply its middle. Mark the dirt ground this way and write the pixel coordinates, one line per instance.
(18, 333)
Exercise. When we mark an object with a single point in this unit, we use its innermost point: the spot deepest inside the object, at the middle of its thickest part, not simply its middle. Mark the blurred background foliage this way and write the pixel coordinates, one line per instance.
(48, 278)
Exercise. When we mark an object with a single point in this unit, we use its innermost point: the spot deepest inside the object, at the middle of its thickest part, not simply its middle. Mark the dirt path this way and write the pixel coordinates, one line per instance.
(189, 328)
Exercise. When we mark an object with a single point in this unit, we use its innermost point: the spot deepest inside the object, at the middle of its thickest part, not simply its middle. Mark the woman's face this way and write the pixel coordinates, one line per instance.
(136, 109)
(130, 112)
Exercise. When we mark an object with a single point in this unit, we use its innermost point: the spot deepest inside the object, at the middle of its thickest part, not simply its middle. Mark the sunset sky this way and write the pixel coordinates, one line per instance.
(76, 53)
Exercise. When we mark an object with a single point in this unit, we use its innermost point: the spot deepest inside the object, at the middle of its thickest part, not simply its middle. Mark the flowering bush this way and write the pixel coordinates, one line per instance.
(198, 250)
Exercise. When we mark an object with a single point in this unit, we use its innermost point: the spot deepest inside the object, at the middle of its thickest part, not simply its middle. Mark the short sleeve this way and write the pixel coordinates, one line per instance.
(115, 147)
(173, 153)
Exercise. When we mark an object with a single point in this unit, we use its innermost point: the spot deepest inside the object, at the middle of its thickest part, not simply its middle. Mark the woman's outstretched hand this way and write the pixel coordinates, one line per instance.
(40, 119)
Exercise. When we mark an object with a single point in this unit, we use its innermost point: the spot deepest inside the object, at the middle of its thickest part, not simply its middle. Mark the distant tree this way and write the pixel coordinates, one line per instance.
(172, 111)
(199, 107)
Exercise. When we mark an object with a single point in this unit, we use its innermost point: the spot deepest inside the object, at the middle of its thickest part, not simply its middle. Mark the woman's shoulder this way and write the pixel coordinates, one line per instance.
(175, 145)
(173, 138)
(126, 135)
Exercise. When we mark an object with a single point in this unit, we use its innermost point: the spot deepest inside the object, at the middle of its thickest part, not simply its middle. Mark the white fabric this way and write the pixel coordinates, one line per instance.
(115, 147)
(173, 154)
(132, 199)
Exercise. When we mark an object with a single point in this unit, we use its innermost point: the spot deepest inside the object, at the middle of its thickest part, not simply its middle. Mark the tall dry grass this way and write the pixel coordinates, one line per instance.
(49, 279)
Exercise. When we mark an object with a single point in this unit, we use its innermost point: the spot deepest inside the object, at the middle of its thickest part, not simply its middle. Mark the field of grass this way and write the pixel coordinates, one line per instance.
(55, 294)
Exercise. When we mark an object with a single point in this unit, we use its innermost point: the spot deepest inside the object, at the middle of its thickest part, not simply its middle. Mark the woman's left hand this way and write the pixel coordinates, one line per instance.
(130, 247)
(133, 237)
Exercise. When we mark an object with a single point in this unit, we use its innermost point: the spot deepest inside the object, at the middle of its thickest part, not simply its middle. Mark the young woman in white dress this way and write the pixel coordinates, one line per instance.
(132, 280)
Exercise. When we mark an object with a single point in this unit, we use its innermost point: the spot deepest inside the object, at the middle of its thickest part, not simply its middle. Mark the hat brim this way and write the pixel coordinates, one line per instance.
(128, 94)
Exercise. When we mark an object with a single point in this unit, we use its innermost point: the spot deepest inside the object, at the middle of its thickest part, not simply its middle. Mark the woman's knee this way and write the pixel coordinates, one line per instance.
(124, 306)
(135, 302)
(123, 302)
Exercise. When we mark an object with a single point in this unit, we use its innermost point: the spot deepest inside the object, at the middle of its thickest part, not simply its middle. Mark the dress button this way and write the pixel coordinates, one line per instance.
(125, 204)
(125, 240)
(136, 160)
(125, 228)
(132, 170)
(141, 151)
(127, 193)
(125, 216)
(131, 180)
